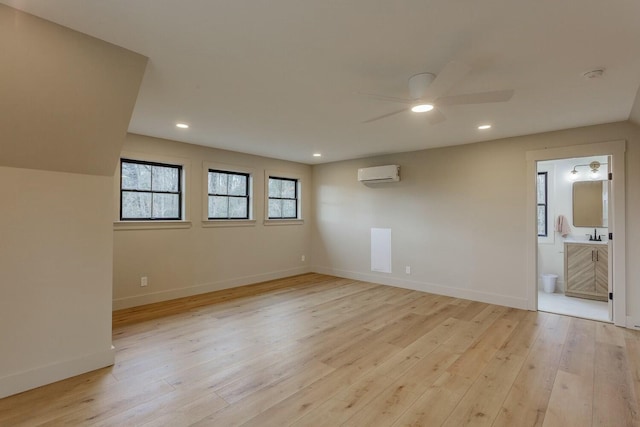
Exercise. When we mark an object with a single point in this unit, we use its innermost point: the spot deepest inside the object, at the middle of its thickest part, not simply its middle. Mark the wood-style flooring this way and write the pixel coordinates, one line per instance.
(316, 350)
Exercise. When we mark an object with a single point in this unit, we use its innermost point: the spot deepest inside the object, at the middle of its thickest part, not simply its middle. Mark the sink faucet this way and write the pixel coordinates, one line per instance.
(596, 237)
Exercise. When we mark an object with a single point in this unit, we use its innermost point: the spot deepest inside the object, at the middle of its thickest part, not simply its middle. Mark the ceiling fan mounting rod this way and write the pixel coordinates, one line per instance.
(419, 83)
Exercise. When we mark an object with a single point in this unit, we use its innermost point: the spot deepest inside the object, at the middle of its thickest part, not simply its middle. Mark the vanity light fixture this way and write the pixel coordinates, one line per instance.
(182, 125)
(595, 172)
(317, 155)
(484, 127)
(593, 166)
(573, 175)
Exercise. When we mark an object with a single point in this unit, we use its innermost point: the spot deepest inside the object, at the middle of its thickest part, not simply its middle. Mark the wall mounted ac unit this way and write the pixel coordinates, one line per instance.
(389, 173)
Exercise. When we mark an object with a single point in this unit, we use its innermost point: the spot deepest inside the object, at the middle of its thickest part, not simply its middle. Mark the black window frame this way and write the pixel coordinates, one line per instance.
(545, 205)
(296, 198)
(152, 164)
(247, 196)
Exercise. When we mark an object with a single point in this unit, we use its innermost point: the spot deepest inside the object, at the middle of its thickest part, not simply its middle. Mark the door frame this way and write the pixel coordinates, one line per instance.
(611, 253)
(615, 149)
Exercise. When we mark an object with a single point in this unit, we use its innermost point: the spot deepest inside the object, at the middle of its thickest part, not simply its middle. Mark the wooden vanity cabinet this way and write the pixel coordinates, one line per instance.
(586, 270)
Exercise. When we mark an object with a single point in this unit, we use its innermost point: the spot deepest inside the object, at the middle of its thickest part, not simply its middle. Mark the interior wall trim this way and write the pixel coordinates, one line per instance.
(432, 288)
(27, 380)
(166, 295)
(633, 324)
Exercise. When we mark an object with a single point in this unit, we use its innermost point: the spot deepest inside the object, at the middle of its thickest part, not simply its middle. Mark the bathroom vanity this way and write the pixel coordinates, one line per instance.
(586, 269)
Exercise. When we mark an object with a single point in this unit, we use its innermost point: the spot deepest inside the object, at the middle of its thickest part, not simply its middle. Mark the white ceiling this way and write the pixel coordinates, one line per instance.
(279, 77)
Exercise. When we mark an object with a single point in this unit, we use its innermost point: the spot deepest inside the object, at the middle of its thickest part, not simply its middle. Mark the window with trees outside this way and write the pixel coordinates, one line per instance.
(150, 191)
(229, 196)
(283, 198)
(542, 204)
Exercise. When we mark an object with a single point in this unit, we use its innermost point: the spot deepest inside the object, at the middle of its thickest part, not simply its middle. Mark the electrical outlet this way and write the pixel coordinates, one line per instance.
(302, 258)
(144, 281)
(407, 269)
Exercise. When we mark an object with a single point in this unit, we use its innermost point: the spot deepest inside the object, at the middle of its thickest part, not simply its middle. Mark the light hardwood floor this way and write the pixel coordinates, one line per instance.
(316, 350)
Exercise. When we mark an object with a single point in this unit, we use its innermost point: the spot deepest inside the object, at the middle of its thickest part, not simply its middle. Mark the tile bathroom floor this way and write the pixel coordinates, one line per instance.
(559, 303)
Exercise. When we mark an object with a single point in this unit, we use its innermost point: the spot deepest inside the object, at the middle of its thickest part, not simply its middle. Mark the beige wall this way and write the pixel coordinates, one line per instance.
(186, 261)
(65, 104)
(457, 216)
(634, 116)
(56, 247)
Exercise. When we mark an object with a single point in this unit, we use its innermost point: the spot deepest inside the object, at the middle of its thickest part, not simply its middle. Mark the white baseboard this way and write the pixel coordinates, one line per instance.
(27, 380)
(633, 324)
(469, 294)
(134, 301)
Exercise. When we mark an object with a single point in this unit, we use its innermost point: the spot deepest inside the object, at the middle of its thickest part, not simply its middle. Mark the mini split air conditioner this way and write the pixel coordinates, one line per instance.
(389, 173)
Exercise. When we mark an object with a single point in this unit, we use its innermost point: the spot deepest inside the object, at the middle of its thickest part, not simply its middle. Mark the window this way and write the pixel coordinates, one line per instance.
(150, 191)
(542, 204)
(283, 198)
(228, 195)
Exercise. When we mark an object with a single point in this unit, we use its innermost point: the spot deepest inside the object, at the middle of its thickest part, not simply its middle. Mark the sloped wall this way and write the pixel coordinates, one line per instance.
(67, 98)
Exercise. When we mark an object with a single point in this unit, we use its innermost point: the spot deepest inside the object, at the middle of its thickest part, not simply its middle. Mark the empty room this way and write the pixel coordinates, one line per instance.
(327, 213)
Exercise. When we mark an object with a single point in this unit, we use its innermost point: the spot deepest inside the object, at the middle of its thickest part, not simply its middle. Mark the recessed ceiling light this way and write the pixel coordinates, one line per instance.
(484, 127)
(182, 125)
(422, 108)
(317, 155)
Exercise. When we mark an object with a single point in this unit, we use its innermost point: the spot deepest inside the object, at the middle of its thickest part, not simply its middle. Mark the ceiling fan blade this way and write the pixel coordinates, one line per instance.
(385, 115)
(451, 74)
(386, 98)
(476, 98)
(436, 117)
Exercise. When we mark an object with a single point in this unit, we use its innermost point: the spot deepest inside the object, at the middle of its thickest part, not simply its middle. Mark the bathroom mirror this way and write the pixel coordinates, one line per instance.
(590, 204)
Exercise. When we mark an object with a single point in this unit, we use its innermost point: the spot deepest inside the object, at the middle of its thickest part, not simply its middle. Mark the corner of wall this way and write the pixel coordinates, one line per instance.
(634, 115)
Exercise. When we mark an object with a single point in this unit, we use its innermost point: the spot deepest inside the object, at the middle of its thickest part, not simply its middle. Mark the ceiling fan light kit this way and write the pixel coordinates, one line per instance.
(429, 92)
(422, 108)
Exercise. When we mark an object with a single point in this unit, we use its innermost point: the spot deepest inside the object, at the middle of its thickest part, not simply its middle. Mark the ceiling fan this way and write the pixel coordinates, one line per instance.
(427, 94)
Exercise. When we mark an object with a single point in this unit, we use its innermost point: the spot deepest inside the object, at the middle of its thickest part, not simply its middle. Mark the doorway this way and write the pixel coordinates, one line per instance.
(613, 152)
(573, 247)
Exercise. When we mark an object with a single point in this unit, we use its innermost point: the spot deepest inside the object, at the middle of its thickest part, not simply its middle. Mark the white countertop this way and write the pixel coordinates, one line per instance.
(586, 241)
